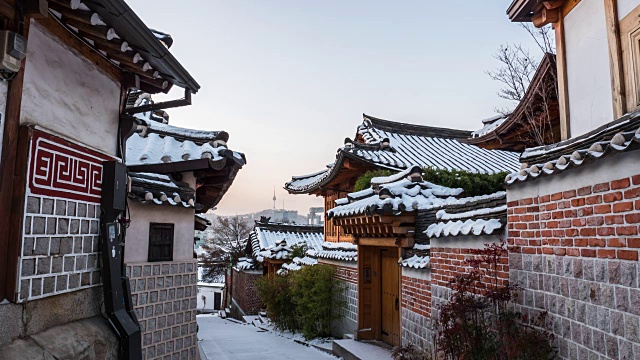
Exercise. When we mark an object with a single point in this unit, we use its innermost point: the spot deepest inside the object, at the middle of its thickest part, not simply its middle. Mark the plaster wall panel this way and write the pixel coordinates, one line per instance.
(589, 78)
(67, 94)
(137, 242)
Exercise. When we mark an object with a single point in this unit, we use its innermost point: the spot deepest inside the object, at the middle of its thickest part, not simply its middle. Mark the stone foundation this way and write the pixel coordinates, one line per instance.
(164, 298)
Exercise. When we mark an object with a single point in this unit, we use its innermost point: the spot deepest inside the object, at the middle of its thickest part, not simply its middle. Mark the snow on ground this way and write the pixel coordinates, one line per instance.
(223, 339)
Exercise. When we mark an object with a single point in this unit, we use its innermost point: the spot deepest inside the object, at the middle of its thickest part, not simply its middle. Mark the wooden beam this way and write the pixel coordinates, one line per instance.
(163, 105)
(615, 58)
(11, 187)
(36, 8)
(563, 84)
(545, 17)
(553, 4)
(386, 241)
(7, 10)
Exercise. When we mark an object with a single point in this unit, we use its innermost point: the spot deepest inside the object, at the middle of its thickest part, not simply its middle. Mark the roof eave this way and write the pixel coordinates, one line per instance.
(126, 23)
(520, 10)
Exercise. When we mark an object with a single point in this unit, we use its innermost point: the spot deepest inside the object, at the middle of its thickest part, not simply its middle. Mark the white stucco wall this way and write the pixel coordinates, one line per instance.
(625, 7)
(67, 94)
(588, 74)
(137, 241)
(3, 103)
(208, 292)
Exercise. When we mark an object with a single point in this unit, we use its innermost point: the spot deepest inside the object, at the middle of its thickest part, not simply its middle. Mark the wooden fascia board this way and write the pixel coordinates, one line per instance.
(402, 242)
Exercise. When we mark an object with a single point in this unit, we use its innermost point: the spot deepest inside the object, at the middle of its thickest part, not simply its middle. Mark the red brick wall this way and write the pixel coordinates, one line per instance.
(448, 263)
(593, 221)
(244, 291)
(575, 255)
(416, 295)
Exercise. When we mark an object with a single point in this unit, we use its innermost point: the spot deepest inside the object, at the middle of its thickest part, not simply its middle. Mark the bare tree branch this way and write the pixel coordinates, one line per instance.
(227, 245)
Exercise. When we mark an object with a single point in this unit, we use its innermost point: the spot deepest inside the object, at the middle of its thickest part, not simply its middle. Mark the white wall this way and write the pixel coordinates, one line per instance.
(3, 103)
(588, 74)
(137, 242)
(208, 292)
(625, 7)
(67, 94)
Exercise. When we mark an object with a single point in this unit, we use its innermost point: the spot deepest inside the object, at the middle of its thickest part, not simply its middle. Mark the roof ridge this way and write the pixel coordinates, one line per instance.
(415, 129)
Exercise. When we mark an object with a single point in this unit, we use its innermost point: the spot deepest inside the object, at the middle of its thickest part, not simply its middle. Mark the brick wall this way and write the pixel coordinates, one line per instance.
(164, 297)
(244, 291)
(59, 248)
(577, 258)
(416, 308)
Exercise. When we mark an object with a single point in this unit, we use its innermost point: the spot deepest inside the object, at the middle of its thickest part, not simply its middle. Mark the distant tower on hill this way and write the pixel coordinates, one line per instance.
(274, 198)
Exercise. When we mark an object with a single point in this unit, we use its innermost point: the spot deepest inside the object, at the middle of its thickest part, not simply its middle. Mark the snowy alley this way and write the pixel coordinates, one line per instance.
(223, 339)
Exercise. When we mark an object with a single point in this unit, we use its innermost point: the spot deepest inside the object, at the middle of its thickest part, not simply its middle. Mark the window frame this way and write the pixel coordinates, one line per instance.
(152, 227)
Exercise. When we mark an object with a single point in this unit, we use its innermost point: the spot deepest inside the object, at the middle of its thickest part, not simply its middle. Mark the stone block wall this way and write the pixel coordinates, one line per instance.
(347, 275)
(164, 297)
(576, 256)
(59, 248)
(244, 292)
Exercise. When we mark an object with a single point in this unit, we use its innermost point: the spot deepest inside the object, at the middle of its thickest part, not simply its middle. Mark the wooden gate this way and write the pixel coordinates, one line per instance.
(390, 301)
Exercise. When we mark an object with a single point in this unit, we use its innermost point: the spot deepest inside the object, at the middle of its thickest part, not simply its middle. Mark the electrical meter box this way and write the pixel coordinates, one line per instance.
(13, 48)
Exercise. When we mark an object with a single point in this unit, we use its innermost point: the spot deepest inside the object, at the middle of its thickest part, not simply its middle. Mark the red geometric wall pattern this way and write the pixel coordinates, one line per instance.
(63, 169)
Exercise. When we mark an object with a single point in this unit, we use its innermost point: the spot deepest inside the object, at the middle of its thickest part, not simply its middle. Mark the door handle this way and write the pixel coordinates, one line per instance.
(397, 304)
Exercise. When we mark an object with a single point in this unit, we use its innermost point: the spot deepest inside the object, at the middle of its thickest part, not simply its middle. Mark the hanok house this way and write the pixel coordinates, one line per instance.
(176, 174)
(62, 118)
(573, 208)
(412, 237)
(383, 144)
(534, 121)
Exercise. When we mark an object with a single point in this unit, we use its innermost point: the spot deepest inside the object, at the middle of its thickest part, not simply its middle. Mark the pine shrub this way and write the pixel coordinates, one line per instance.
(305, 301)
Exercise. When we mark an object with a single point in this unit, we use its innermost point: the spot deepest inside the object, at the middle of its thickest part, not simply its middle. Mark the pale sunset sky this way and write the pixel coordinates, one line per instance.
(290, 79)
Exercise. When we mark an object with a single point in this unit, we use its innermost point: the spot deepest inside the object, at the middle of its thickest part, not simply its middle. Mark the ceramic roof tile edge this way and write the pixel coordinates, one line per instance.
(588, 149)
(470, 227)
(161, 190)
(278, 250)
(416, 262)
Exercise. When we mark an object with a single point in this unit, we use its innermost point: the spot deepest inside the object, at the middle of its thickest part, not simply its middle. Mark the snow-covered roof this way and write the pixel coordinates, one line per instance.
(489, 126)
(150, 188)
(276, 240)
(619, 136)
(297, 264)
(397, 146)
(245, 263)
(336, 251)
(473, 218)
(416, 262)
(404, 192)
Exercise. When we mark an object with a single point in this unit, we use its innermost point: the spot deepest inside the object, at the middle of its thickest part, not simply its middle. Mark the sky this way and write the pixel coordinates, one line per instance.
(290, 79)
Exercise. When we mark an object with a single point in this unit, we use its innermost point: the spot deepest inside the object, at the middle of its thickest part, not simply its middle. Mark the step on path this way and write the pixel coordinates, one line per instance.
(349, 349)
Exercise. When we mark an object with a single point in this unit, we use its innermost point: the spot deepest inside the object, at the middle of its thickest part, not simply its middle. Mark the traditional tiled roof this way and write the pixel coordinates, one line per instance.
(156, 142)
(336, 251)
(405, 191)
(538, 109)
(480, 215)
(297, 264)
(276, 240)
(397, 146)
(619, 136)
(245, 263)
(159, 189)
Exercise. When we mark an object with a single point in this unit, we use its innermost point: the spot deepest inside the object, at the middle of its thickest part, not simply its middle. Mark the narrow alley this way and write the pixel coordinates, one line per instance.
(223, 339)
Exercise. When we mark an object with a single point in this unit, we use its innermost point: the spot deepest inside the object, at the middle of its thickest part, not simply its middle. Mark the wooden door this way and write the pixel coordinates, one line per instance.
(390, 301)
(217, 301)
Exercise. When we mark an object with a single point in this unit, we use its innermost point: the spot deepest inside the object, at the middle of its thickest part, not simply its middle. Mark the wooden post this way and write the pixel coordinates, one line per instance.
(615, 58)
(12, 186)
(563, 91)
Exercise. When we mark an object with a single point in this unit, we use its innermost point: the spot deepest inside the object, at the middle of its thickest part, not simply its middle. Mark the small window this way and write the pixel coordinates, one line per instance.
(160, 242)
